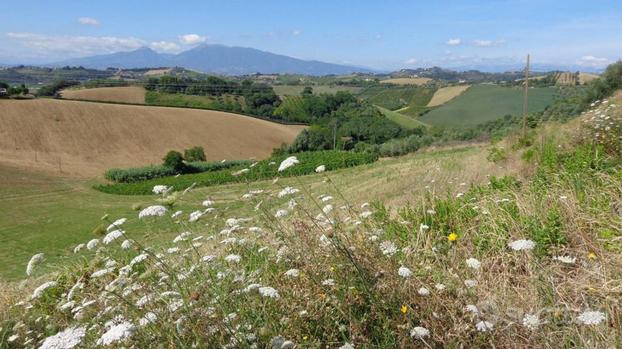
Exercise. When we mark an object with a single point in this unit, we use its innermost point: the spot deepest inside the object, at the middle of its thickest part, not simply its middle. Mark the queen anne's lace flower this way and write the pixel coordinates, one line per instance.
(404, 272)
(67, 339)
(320, 169)
(590, 317)
(287, 163)
(92, 244)
(268, 292)
(153, 211)
(160, 189)
(113, 235)
(565, 259)
(531, 321)
(522, 244)
(34, 261)
(233, 258)
(484, 326)
(473, 263)
(292, 273)
(388, 248)
(116, 224)
(419, 332)
(38, 292)
(287, 191)
(117, 333)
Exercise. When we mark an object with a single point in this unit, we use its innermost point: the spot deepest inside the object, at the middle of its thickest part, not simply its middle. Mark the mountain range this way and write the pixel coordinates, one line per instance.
(217, 59)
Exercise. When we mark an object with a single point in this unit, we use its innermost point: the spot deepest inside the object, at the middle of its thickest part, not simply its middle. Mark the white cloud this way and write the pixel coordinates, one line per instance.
(296, 32)
(75, 45)
(454, 42)
(411, 61)
(488, 43)
(592, 61)
(165, 46)
(88, 21)
(192, 39)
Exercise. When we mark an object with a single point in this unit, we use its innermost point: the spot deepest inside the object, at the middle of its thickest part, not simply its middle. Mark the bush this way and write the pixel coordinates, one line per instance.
(264, 169)
(174, 160)
(130, 175)
(194, 154)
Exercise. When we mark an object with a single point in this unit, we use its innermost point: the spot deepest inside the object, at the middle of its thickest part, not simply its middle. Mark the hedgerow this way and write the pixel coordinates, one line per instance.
(139, 174)
(265, 169)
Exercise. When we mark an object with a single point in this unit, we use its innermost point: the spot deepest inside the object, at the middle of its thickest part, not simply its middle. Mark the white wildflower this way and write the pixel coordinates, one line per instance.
(423, 292)
(591, 317)
(473, 263)
(292, 273)
(565, 259)
(439, 287)
(194, 216)
(208, 203)
(160, 189)
(92, 244)
(126, 244)
(522, 244)
(346, 345)
(287, 163)
(328, 282)
(78, 248)
(419, 332)
(101, 272)
(113, 235)
(38, 292)
(138, 259)
(366, 214)
(388, 248)
(67, 339)
(287, 191)
(34, 261)
(423, 227)
(172, 250)
(320, 169)
(233, 258)
(176, 214)
(472, 309)
(531, 321)
(116, 224)
(484, 326)
(149, 318)
(470, 283)
(182, 237)
(326, 198)
(268, 292)
(117, 333)
(280, 213)
(404, 272)
(327, 209)
(153, 211)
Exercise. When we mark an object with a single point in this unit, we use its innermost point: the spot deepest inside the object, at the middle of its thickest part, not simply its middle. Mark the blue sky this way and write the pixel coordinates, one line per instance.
(387, 34)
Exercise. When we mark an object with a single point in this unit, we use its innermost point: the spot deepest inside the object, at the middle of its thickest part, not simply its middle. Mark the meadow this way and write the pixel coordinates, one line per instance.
(295, 90)
(486, 102)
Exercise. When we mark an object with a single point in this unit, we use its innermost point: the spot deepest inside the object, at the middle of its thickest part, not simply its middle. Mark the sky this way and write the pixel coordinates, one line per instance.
(385, 35)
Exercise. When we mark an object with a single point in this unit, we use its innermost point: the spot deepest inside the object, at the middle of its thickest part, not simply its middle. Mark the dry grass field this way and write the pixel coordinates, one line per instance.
(445, 94)
(156, 72)
(85, 139)
(406, 81)
(127, 94)
(568, 78)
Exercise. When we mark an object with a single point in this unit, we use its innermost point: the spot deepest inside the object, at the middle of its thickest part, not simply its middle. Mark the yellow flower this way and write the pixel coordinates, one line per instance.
(332, 269)
(591, 255)
(305, 337)
(404, 309)
(452, 237)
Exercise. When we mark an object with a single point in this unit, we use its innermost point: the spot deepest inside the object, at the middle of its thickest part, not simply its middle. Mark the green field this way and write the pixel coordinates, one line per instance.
(401, 119)
(410, 98)
(47, 214)
(191, 101)
(295, 90)
(482, 103)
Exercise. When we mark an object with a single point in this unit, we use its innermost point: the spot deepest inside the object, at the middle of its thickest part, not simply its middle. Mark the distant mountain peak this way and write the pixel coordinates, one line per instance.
(215, 58)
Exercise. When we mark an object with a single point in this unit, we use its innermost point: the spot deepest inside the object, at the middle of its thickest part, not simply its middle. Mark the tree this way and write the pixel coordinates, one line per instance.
(308, 90)
(194, 154)
(174, 160)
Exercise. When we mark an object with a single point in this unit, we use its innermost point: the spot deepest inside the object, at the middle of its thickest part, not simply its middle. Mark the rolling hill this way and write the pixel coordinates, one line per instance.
(86, 138)
(218, 59)
(122, 94)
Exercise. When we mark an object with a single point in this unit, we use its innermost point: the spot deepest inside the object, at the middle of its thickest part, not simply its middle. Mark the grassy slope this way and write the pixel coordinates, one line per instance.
(189, 101)
(401, 119)
(48, 214)
(125, 94)
(482, 103)
(295, 90)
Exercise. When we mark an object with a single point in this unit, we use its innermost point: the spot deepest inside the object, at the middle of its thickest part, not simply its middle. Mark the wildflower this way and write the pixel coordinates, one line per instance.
(117, 333)
(472, 308)
(590, 317)
(347, 346)
(522, 244)
(233, 258)
(388, 248)
(327, 208)
(328, 282)
(92, 244)
(38, 292)
(78, 248)
(424, 292)
(287, 191)
(419, 332)
(423, 227)
(591, 255)
(268, 292)
(484, 326)
(181, 237)
(101, 272)
(176, 214)
(452, 237)
(280, 213)
(565, 259)
(194, 216)
(116, 224)
(320, 169)
(404, 309)
(404, 272)
(138, 259)
(34, 261)
(287, 163)
(126, 244)
(470, 283)
(366, 214)
(473, 263)
(292, 273)
(161, 189)
(67, 339)
(208, 203)
(439, 287)
(152, 211)
(149, 318)
(326, 198)
(531, 321)
(113, 235)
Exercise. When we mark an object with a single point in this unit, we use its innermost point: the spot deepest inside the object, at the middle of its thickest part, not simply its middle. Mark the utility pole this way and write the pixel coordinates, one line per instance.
(335, 135)
(526, 98)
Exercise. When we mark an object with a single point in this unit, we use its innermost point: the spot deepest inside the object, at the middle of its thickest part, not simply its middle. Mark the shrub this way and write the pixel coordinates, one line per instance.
(194, 154)
(174, 160)
(138, 174)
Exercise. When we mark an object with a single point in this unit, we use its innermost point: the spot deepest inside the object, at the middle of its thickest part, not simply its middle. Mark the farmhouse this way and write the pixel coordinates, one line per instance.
(3, 92)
